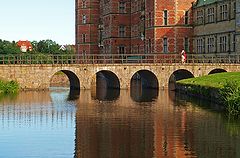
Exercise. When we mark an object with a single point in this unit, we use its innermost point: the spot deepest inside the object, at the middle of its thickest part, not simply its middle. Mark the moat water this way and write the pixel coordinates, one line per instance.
(114, 124)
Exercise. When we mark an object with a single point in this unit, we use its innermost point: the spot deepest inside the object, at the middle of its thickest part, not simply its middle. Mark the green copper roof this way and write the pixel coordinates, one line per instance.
(204, 2)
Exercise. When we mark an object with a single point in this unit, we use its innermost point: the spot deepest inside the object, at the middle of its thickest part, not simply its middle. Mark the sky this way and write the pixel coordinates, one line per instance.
(38, 20)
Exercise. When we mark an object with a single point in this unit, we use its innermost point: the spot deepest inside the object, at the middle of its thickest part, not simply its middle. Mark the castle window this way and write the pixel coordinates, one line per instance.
(234, 42)
(210, 15)
(234, 9)
(186, 19)
(210, 44)
(121, 31)
(223, 44)
(200, 46)
(165, 45)
(84, 5)
(121, 7)
(165, 17)
(84, 19)
(149, 19)
(200, 17)
(223, 12)
(83, 38)
(121, 49)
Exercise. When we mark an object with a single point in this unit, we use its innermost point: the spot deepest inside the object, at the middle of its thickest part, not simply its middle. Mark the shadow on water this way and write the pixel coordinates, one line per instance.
(180, 99)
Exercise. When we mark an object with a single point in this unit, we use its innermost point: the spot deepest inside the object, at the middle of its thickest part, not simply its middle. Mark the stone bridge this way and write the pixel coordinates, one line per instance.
(84, 76)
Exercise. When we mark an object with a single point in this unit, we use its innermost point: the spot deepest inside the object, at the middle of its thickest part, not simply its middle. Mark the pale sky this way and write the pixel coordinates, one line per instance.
(38, 20)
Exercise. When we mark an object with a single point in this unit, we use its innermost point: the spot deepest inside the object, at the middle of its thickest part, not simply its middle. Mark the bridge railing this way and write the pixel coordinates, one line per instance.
(116, 58)
(220, 58)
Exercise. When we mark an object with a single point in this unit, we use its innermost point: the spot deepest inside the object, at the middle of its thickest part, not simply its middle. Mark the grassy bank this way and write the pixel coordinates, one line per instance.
(8, 87)
(213, 81)
(223, 88)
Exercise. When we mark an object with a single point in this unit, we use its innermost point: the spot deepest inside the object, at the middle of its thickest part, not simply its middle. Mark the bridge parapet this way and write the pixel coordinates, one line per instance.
(30, 59)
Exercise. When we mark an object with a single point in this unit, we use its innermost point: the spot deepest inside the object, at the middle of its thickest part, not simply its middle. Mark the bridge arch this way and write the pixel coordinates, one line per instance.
(105, 85)
(73, 79)
(146, 78)
(217, 70)
(106, 79)
(178, 75)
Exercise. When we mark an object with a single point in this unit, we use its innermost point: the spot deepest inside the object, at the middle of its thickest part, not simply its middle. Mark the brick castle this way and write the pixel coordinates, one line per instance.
(143, 26)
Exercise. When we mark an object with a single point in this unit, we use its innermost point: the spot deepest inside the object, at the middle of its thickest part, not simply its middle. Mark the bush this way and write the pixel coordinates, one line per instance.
(9, 87)
(230, 95)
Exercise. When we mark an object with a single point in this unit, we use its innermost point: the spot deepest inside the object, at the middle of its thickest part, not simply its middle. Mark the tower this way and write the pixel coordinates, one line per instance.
(87, 21)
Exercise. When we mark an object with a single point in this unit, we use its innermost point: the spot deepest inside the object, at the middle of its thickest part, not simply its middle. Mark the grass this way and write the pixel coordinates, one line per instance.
(9, 87)
(213, 81)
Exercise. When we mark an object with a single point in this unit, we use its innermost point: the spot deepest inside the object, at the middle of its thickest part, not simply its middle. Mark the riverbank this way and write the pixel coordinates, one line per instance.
(221, 88)
(9, 87)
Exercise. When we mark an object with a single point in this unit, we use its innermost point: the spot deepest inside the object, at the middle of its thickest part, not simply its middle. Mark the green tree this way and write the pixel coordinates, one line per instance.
(7, 47)
(42, 47)
(48, 47)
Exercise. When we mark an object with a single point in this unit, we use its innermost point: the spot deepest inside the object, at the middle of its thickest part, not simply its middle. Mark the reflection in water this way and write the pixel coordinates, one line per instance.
(141, 94)
(106, 94)
(145, 95)
(73, 94)
(48, 124)
(108, 132)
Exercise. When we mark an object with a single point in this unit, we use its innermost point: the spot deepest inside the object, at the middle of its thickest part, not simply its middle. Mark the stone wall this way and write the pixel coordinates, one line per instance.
(59, 80)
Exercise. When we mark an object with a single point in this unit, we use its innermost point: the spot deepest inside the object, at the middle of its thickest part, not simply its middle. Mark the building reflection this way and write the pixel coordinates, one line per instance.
(120, 132)
(109, 131)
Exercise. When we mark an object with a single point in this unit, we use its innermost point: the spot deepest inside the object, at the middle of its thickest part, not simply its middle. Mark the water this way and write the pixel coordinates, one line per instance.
(114, 124)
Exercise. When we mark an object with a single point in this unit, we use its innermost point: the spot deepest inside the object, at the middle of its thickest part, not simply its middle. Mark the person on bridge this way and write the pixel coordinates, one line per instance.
(183, 56)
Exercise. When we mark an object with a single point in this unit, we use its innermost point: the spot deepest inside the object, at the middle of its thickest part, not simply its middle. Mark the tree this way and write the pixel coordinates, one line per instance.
(7, 47)
(42, 47)
(47, 47)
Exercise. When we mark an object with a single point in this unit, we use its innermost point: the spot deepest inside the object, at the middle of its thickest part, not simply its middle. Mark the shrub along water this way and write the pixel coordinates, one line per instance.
(8, 87)
(227, 86)
(230, 94)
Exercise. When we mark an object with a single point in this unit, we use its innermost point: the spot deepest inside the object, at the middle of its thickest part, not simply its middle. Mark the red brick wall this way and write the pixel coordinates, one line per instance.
(111, 20)
(176, 30)
(142, 17)
(90, 28)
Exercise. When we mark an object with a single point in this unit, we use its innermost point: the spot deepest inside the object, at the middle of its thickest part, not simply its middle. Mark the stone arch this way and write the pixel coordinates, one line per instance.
(144, 86)
(107, 79)
(105, 85)
(217, 70)
(73, 79)
(147, 78)
(178, 75)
